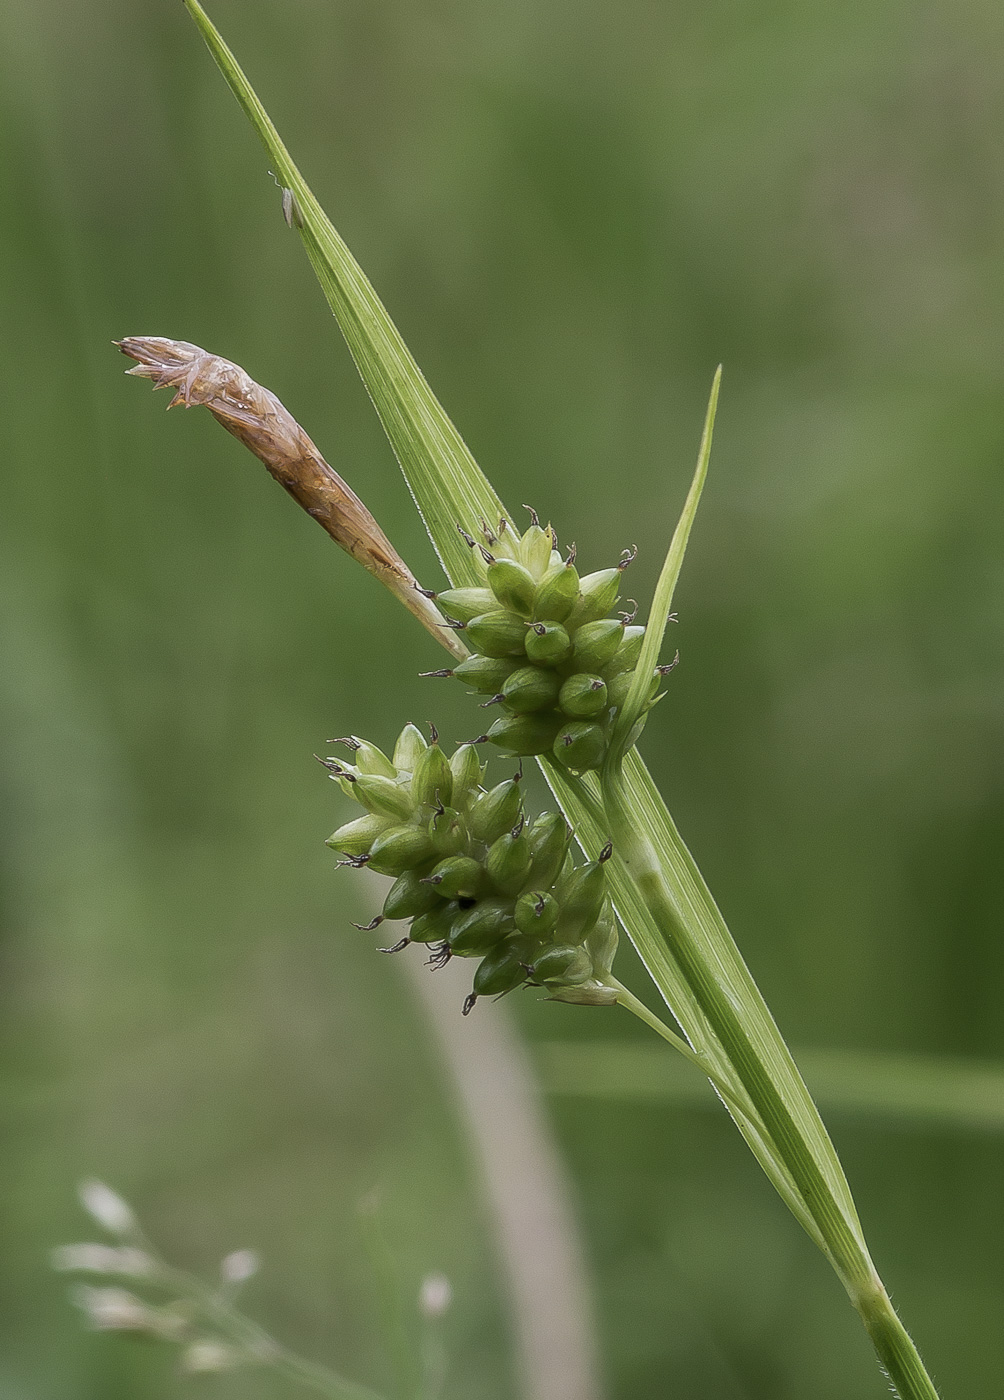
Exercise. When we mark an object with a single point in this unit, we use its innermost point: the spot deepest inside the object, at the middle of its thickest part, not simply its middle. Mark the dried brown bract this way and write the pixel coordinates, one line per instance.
(256, 417)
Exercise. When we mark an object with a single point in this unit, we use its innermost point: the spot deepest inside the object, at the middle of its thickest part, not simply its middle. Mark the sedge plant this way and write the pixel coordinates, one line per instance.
(573, 682)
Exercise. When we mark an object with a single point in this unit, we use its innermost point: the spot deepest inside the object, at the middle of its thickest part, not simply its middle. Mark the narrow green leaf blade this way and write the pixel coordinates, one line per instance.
(579, 800)
(662, 602)
(448, 487)
(705, 920)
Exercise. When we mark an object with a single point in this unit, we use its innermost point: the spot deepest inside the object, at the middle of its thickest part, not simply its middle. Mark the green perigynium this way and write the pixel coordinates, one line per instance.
(473, 877)
(546, 649)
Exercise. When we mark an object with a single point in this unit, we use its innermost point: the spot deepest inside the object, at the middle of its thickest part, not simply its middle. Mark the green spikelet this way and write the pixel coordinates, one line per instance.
(597, 595)
(500, 972)
(498, 634)
(399, 849)
(562, 965)
(530, 688)
(525, 734)
(596, 643)
(384, 796)
(496, 811)
(546, 649)
(447, 831)
(481, 928)
(487, 674)
(432, 780)
(547, 643)
(513, 585)
(370, 759)
(410, 896)
(410, 743)
(462, 604)
(583, 695)
(557, 594)
(471, 878)
(580, 746)
(625, 658)
(549, 838)
(508, 861)
(536, 913)
(457, 877)
(466, 769)
(356, 837)
(435, 926)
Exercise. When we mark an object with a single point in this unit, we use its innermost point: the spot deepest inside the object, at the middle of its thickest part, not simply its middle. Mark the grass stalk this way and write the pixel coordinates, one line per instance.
(662, 900)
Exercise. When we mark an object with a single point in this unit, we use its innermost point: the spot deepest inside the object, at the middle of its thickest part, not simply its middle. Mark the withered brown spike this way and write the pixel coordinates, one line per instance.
(628, 556)
(606, 853)
(347, 740)
(517, 830)
(495, 700)
(468, 539)
(368, 928)
(433, 733)
(534, 517)
(397, 946)
(424, 675)
(486, 555)
(597, 684)
(470, 1002)
(571, 555)
(257, 419)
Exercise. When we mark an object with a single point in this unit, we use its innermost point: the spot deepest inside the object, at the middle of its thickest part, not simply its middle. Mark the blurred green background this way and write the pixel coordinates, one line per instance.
(573, 211)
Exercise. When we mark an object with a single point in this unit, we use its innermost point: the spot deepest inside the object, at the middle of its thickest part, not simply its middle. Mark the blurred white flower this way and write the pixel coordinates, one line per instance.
(242, 1264)
(107, 1207)
(208, 1354)
(116, 1310)
(102, 1259)
(434, 1296)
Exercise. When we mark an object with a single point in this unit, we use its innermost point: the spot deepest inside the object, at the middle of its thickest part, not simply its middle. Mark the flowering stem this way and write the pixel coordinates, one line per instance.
(257, 1345)
(638, 1008)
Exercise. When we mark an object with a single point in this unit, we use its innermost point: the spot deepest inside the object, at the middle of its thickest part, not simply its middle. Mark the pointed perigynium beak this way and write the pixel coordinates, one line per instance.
(256, 417)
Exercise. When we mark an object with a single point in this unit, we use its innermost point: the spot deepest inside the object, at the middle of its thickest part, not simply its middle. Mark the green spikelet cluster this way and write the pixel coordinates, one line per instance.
(472, 876)
(545, 646)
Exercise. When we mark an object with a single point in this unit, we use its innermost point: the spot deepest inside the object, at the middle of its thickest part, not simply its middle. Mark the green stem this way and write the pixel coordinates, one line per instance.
(258, 1345)
(638, 1008)
(840, 1235)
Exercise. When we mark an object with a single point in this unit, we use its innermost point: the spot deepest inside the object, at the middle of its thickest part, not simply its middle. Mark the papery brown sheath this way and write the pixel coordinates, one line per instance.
(256, 417)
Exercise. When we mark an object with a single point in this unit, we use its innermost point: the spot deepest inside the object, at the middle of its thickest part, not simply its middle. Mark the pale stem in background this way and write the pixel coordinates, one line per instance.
(526, 1189)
